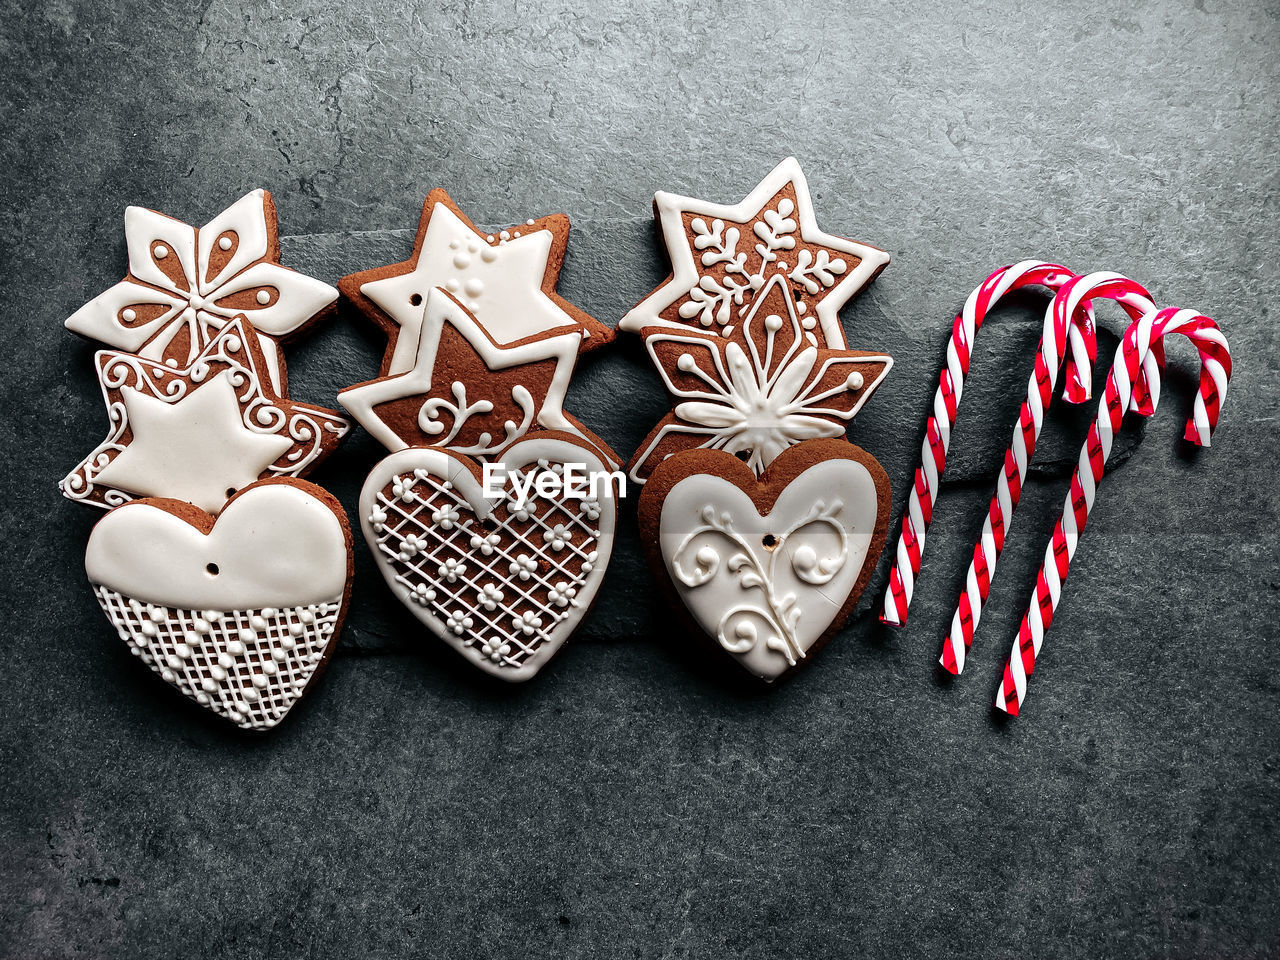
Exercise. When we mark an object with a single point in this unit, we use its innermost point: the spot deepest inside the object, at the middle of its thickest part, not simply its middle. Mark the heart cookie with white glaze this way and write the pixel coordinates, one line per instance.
(238, 612)
(769, 568)
(504, 579)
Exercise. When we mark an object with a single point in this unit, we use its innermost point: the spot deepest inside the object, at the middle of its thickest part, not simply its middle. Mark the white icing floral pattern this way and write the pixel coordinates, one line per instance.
(713, 299)
(184, 280)
(490, 596)
(757, 402)
(451, 569)
(558, 536)
(523, 567)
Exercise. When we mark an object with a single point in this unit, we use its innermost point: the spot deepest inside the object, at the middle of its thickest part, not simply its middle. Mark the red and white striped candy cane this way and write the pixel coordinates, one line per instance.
(1215, 374)
(1073, 295)
(933, 455)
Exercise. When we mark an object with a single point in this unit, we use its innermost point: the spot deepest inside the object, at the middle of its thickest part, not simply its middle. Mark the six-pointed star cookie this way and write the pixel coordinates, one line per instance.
(195, 449)
(505, 278)
(765, 386)
(185, 284)
(467, 392)
(201, 432)
(722, 256)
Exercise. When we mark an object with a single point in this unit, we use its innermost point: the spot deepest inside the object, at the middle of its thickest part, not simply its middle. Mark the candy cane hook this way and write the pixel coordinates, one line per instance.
(1138, 342)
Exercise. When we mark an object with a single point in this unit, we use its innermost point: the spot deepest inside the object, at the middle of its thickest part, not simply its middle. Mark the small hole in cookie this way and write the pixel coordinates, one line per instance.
(211, 569)
(742, 455)
(489, 523)
(769, 541)
(231, 492)
(415, 300)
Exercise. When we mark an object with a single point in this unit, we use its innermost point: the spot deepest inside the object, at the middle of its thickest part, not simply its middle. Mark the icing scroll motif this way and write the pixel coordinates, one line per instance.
(459, 412)
(697, 560)
(490, 397)
(768, 586)
(198, 433)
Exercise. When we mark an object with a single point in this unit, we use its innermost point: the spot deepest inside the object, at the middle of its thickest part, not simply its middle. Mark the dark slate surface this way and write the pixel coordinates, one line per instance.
(634, 800)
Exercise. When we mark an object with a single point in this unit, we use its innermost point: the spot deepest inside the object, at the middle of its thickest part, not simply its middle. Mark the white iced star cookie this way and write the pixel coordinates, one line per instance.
(505, 278)
(468, 393)
(201, 432)
(193, 450)
(185, 284)
(723, 255)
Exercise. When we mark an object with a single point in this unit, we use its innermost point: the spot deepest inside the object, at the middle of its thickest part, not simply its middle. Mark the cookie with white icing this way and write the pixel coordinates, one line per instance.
(746, 332)
(505, 278)
(756, 389)
(770, 567)
(468, 392)
(185, 284)
(504, 579)
(480, 352)
(238, 612)
(722, 255)
(199, 432)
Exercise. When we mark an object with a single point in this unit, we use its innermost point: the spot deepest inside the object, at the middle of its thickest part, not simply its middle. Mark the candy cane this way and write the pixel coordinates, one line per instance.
(986, 552)
(933, 455)
(1215, 374)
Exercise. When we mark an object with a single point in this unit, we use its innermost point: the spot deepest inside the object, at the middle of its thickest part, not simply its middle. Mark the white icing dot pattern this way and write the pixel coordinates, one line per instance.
(502, 602)
(249, 666)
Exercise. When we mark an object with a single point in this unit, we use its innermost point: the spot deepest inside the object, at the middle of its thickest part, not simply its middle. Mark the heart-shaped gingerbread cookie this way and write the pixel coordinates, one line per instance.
(503, 578)
(770, 567)
(238, 612)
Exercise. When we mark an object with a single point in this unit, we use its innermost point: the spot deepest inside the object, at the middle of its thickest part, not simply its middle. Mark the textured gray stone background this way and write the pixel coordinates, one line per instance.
(635, 800)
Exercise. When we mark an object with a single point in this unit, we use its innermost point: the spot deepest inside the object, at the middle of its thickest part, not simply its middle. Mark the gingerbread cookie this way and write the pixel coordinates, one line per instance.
(506, 279)
(503, 576)
(761, 519)
(199, 432)
(238, 612)
(479, 356)
(746, 333)
(185, 284)
(466, 391)
(756, 388)
(722, 256)
(769, 567)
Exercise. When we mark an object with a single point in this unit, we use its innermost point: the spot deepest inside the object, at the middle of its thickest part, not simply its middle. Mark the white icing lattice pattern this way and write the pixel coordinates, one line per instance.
(249, 666)
(499, 586)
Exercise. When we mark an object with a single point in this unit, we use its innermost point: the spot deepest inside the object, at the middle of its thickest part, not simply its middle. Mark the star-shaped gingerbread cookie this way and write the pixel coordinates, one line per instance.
(723, 255)
(467, 392)
(200, 432)
(505, 278)
(185, 284)
(755, 389)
